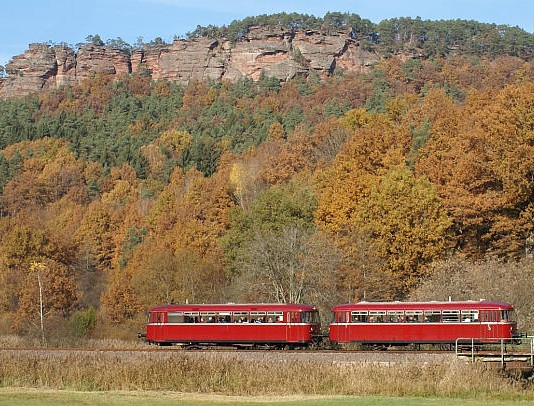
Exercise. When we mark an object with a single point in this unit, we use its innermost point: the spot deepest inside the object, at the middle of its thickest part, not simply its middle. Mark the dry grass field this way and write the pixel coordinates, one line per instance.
(186, 372)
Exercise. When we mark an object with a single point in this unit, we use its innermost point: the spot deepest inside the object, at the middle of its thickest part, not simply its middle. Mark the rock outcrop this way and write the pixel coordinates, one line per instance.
(280, 54)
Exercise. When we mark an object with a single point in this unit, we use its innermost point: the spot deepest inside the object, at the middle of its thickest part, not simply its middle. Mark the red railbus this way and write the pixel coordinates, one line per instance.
(399, 323)
(276, 325)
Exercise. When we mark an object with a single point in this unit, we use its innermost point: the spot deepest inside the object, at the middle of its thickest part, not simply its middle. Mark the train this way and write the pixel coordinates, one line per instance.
(282, 325)
(277, 325)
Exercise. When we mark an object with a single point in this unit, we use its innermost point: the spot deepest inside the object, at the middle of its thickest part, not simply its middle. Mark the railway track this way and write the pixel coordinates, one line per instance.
(234, 350)
(219, 350)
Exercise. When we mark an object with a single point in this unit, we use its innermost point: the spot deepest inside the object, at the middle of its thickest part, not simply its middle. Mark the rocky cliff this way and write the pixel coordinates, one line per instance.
(279, 54)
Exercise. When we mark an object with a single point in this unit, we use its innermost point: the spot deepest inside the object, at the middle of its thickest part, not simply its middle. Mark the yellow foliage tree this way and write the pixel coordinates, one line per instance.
(94, 237)
(408, 226)
(47, 287)
(368, 154)
(175, 141)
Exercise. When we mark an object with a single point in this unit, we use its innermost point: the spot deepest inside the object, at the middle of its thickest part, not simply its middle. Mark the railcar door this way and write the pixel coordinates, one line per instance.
(342, 320)
(292, 328)
(488, 324)
(158, 321)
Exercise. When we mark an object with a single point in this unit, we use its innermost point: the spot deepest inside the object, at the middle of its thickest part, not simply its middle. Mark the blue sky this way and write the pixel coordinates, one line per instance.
(71, 21)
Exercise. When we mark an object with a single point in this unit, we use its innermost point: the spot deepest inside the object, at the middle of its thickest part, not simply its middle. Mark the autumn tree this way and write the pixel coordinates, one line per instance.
(47, 173)
(360, 276)
(176, 144)
(245, 180)
(375, 146)
(120, 302)
(305, 149)
(490, 279)
(408, 225)
(36, 240)
(95, 238)
(293, 264)
(480, 158)
(161, 276)
(47, 288)
(273, 209)
(200, 214)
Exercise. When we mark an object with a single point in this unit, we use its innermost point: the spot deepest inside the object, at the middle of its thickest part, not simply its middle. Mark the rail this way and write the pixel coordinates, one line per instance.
(502, 342)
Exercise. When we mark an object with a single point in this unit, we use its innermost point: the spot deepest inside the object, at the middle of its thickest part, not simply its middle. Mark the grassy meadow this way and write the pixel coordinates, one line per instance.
(33, 397)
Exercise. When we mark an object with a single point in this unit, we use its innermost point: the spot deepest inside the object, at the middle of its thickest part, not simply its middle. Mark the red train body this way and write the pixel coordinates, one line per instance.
(422, 322)
(233, 324)
(380, 323)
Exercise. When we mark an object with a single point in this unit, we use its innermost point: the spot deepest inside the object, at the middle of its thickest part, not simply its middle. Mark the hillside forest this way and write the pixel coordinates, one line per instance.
(413, 179)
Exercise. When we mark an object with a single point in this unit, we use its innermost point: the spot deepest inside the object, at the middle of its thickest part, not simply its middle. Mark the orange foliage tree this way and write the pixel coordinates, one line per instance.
(482, 168)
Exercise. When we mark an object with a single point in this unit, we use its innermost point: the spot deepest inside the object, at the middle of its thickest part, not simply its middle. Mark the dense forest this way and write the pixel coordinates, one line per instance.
(413, 179)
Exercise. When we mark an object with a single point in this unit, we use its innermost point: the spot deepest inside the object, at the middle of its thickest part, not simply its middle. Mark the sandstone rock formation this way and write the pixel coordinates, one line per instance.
(280, 54)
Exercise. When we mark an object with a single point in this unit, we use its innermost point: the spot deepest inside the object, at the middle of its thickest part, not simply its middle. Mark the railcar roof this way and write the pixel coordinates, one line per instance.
(433, 305)
(234, 307)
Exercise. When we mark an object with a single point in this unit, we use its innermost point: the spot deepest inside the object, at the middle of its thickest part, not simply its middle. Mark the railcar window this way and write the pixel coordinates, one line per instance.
(309, 317)
(208, 317)
(359, 317)
(414, 316)
(156, 317)
(395, 316)
(451, 316)
(175, 317)
(341, 317)
(224, 317)
(240, 317)
(489, 315)
(273, 317)
(377, 316)
(469, 316)
(504, 315)
(432, 316)
(294, 317)
(191, 317)
(257, 317)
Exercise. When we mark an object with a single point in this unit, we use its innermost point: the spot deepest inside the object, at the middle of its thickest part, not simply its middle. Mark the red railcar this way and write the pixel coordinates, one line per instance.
(233, 324)
(422, 322)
